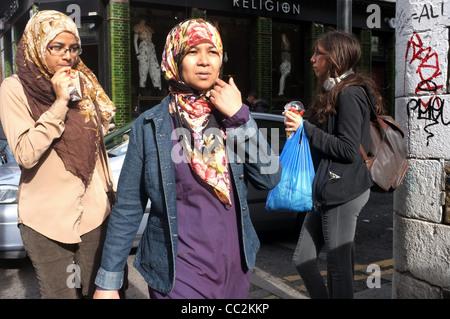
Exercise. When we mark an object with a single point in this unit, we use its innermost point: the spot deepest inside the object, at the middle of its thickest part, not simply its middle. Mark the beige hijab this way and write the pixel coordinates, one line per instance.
(86, 119)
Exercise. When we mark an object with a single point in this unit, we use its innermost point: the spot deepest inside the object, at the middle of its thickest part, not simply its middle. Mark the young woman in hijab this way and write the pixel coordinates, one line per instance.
(63, 202)
(336, 124)
(199, 241)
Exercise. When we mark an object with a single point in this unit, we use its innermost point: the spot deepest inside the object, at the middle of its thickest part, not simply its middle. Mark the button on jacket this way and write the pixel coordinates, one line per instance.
(149, 164)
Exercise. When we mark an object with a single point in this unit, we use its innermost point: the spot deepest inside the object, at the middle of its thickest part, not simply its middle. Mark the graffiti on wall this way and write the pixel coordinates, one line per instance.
(424, 14)
(426, 62)
(429, 12)
(430, 109)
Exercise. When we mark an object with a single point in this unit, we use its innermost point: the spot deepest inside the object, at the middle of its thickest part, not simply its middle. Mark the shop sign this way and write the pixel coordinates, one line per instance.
(74, 9)
(270, 6)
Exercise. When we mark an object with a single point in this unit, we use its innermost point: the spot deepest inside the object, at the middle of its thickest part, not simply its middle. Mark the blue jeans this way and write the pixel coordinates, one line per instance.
(333, 228)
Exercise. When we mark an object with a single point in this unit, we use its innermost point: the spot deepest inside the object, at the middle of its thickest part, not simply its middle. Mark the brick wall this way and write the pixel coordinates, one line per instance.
(315, 30)
(120, 51)
(264, 58)
(7, 54)
(365, 64)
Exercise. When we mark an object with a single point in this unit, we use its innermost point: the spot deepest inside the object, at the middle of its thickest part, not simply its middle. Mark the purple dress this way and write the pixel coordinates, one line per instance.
(210, 262)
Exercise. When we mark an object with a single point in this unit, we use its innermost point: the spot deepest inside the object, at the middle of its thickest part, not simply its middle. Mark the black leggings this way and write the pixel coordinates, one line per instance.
(333, 228)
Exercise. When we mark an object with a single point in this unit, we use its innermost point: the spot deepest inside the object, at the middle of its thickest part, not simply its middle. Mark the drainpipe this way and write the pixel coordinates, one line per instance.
(344, 15)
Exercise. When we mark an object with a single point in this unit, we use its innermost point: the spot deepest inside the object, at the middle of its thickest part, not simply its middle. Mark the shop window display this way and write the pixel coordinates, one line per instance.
(289, 54)
(146, 55)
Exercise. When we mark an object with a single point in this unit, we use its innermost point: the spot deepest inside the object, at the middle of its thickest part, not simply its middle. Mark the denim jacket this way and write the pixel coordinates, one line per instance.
(148, 174)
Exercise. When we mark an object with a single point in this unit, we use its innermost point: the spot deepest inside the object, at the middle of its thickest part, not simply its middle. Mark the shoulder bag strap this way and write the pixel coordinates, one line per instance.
(372, 111)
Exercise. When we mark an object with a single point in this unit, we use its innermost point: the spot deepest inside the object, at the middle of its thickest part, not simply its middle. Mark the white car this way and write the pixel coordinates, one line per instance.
(11, 246)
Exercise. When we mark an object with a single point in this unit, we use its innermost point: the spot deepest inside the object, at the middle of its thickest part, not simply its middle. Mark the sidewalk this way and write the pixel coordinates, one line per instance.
(265, 286)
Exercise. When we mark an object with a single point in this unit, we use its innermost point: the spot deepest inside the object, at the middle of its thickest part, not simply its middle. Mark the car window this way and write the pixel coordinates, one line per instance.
(119, 150)
(117, 141)
(118, 136)
(274, 131)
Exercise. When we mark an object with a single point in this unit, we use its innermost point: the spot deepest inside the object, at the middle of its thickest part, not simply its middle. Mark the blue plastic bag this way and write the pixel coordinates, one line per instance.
(294, 191)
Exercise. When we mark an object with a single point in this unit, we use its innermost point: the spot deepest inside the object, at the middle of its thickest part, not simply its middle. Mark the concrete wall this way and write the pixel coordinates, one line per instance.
(421, 238)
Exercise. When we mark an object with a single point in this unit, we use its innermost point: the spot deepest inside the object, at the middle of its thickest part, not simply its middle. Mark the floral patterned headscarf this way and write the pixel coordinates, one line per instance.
(85, 120)
(193, 111)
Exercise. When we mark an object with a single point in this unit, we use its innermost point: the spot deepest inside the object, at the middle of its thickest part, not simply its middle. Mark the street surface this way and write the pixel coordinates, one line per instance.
(373, 252)
(274, 277)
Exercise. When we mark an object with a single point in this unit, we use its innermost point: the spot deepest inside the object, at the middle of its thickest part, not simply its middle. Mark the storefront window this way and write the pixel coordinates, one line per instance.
(149, 28)
(237, 39)
(289, 60)
(377, 47)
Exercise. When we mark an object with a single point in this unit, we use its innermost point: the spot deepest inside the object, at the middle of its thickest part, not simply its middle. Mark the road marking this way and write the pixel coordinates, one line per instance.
(385, 265)
(382, 263)
(275, 285)
(386, 270)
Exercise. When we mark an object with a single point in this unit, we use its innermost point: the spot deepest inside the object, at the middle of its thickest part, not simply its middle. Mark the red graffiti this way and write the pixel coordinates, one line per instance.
(428, 68)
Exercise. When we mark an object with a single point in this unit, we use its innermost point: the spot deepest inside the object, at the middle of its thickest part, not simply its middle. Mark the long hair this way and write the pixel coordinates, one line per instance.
(343, 52)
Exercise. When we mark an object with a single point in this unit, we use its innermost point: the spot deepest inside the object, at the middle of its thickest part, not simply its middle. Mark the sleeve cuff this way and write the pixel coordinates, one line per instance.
(239, 118)
(107, 280)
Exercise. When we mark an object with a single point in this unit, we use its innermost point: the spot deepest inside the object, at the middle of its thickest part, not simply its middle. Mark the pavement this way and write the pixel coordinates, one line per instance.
(265, 286)
(20, 283)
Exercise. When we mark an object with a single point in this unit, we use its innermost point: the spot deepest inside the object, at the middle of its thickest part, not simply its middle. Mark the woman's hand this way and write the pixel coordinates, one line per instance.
(293, 121)
(226, 97)
(61, 82)
(106, 294)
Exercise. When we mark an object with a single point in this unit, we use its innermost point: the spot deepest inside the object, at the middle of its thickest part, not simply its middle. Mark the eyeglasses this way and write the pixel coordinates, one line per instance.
(60, 50)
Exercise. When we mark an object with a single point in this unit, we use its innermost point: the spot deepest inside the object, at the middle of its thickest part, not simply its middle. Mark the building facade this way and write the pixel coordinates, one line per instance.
(267, 43)
(421, 243)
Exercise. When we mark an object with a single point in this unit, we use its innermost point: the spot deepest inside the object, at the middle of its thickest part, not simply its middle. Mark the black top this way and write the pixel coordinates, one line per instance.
(341, 173)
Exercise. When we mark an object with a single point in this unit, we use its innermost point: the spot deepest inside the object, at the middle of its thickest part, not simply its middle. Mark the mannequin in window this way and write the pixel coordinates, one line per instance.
(146, 55)
(285, 67)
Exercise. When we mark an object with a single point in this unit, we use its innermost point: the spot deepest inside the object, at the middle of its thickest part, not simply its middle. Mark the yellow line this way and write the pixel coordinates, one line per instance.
(292, 278)
(270, 297)
(381, 264)
(301, 288)
(388, 263)
(384, 272)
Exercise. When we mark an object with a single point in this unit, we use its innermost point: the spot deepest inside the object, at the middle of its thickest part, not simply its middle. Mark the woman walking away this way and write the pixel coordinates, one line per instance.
(337, 123)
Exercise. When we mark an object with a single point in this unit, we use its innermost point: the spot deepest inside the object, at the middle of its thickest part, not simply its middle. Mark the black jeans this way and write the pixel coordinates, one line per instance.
(65, 271)
(335, 229)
